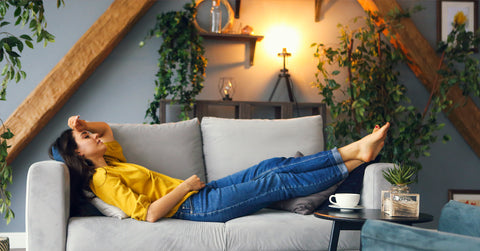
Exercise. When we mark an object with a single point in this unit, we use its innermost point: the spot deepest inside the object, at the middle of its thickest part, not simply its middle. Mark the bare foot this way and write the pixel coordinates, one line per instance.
(372, 144)
(367, 148)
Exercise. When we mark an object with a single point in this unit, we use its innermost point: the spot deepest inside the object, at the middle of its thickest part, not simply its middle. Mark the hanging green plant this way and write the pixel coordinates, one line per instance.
(5, 174)
(374, 95)
(181, 64)
(26, 12)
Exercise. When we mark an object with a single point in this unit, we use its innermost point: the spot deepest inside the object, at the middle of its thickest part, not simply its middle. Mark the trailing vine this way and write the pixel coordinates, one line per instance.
(31, 13)
(181, 64)
(373, 93)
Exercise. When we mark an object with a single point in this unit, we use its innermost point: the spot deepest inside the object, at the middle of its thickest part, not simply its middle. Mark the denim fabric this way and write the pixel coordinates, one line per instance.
(271, 180)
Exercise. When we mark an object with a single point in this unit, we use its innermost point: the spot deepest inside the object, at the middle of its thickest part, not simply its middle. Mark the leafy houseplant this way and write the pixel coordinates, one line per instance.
(400, 175)
(374, 94)
(26, 12)
(398, 201)
(181, 63)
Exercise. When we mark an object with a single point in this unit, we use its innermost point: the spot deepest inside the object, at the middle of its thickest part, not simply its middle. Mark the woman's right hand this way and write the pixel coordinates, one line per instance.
(77, 124)
(194, 183)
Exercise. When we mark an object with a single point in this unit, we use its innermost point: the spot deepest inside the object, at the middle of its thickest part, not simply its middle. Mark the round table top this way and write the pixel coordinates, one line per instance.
(369, 214)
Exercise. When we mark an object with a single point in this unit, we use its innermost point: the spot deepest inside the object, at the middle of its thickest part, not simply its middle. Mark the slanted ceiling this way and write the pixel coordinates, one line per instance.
(97, 43)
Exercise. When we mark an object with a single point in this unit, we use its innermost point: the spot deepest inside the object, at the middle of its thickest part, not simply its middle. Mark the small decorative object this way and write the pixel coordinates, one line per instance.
(470, 197)
(398, 201)
(452, 13)
(226, 86)
(216, 14)
(4, 244)
(247, 30)
(203, 16)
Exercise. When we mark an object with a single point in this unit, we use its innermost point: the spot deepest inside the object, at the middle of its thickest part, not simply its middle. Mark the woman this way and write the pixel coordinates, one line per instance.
(96, 163)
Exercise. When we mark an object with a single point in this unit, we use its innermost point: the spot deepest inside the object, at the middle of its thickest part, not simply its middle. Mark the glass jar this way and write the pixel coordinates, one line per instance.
(398, 201)
(216, 14)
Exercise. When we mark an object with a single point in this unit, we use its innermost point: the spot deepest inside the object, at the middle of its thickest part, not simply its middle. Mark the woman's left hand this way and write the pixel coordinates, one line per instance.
(77, 124)
(194, 183)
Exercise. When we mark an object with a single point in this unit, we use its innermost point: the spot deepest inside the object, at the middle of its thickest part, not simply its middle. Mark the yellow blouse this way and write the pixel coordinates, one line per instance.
(131, 187)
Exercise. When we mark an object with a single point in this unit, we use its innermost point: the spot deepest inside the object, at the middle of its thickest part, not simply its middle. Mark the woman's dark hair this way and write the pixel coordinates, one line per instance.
(80, 168)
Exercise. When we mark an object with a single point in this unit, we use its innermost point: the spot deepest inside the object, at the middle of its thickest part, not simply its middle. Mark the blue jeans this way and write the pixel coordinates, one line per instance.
(271, 180)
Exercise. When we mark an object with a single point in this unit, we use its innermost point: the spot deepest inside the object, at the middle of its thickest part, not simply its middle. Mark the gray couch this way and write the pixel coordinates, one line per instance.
(213, 149)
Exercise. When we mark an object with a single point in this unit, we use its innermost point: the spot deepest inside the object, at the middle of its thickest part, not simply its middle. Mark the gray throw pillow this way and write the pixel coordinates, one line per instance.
(307, 204)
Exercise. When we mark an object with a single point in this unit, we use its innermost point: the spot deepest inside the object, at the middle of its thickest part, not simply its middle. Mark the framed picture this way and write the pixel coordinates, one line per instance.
(446, 11)
(471, 197)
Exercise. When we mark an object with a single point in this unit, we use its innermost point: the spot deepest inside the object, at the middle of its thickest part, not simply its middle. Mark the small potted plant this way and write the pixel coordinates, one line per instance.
(398, 201)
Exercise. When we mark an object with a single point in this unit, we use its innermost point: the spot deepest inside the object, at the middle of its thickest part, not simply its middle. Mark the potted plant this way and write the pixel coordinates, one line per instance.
(374, 95)
(181, 64)
(400, 175)
(29, 13)
(398, 201)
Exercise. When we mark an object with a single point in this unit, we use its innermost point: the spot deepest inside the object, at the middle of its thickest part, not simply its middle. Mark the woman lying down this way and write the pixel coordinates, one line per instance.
(96, 163)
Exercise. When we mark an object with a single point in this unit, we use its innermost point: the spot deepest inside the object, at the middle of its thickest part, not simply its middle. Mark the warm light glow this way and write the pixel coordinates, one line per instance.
(279, 37)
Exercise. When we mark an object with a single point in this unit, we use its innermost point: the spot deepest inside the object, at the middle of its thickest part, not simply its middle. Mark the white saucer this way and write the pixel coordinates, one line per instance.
(346, 209)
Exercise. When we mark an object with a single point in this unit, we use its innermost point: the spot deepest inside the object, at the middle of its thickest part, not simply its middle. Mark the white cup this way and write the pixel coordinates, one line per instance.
(347, 200)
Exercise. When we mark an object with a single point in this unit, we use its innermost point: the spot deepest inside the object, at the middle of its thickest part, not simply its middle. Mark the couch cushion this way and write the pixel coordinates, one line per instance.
(279, 230)
(231, 145)
(107, 233)
(174, 149)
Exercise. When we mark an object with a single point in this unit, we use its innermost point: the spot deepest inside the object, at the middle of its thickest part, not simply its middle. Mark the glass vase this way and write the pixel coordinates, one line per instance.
(398, 201)
(216, 14)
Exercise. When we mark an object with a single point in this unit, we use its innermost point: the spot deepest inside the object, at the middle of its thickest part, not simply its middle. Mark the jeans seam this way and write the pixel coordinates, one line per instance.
(287, 165)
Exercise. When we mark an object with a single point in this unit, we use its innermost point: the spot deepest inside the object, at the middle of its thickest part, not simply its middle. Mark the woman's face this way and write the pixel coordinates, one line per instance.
(89, 145)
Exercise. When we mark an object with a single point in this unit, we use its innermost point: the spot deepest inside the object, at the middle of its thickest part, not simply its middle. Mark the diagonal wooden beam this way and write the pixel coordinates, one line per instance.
(424, 63)
(72, 70)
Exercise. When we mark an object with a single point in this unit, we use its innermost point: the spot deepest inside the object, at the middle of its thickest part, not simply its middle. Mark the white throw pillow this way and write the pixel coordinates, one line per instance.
(105, 208)
(231, 145)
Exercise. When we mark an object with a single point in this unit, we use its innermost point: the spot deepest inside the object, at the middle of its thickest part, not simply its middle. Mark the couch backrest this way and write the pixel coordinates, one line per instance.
(174, 149)
(231, 145)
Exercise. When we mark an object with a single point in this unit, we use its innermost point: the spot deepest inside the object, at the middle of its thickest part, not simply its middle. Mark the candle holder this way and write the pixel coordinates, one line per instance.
(226, 87)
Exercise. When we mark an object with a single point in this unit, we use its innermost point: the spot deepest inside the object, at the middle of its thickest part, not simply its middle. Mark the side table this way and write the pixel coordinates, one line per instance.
(354, 220)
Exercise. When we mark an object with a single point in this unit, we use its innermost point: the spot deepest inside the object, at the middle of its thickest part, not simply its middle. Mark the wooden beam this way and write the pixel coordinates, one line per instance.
(424, 63)
(72, 70)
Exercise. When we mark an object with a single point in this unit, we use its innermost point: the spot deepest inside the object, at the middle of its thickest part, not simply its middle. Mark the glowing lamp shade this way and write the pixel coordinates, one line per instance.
(279, 37)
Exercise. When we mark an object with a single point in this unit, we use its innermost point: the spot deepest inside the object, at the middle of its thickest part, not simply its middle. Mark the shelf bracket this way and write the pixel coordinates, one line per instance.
(318, 10)
(237, 8)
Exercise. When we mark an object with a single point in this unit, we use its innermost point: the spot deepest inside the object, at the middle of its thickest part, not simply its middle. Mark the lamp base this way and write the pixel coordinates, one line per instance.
(288, 83)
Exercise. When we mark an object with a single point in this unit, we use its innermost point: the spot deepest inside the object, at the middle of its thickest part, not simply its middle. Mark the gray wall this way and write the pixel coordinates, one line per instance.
(119, 90)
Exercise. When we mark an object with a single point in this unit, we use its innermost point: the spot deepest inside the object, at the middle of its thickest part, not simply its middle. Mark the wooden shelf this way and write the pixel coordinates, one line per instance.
(252, 40)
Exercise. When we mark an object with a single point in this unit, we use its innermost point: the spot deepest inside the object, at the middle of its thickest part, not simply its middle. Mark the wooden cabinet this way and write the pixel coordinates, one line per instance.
(244, 109)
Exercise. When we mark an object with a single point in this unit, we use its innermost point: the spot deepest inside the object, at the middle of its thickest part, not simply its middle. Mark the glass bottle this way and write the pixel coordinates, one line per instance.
(216, 14)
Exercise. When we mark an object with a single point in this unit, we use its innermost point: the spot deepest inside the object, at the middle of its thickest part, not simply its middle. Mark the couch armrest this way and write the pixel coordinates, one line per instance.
(460, 218)
(382, 235)
(373, 184)
(47, 205)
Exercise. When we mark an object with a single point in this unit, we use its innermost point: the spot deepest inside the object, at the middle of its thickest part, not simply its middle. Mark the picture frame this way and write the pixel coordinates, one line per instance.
(471, 197)
(446, 10)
